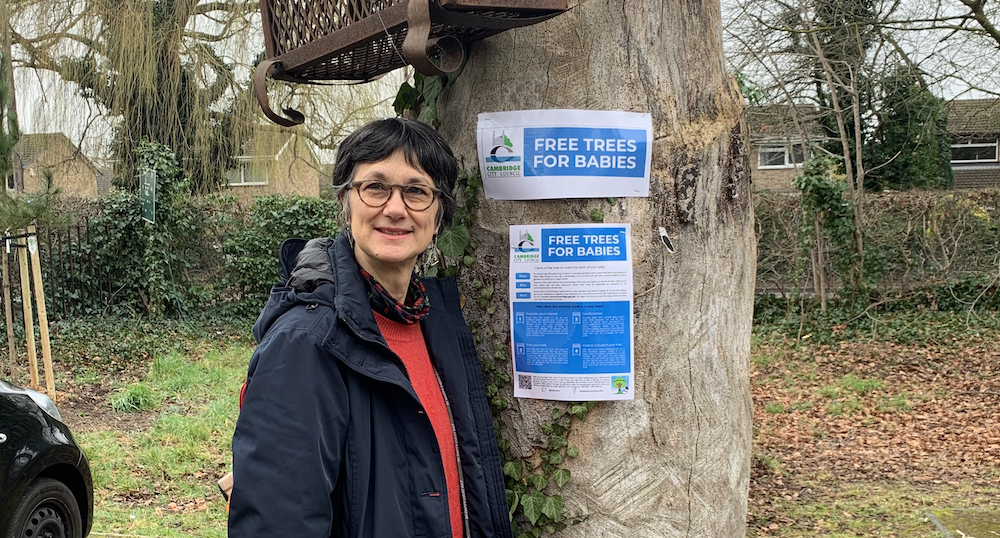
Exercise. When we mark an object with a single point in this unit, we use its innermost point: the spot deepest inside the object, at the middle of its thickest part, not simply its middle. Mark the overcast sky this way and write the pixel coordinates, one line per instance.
(45, 104)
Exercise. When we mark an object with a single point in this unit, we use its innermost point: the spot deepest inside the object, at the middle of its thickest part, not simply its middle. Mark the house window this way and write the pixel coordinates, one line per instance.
(248, 171)
(975, 150)
(780, 156)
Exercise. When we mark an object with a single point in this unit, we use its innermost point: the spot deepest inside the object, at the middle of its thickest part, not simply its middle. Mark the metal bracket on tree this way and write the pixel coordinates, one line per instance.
(360, 40)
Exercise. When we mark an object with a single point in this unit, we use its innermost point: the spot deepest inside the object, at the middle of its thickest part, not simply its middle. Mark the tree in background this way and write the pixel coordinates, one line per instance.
(151, 66)
(854, 69)
(911, 147)
(9, 131)
(173, 72)
(17, 212)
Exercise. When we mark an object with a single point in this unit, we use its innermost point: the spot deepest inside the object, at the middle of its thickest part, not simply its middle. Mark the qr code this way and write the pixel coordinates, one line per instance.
(524, 382)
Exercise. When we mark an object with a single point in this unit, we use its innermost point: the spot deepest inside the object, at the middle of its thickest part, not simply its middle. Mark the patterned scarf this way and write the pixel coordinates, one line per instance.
(413, 310)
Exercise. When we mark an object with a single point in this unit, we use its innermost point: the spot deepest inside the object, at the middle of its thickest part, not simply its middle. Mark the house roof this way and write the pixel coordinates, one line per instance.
(770, 122)
(266, 143)
(974, 116)
(272, 142)
(31, 146)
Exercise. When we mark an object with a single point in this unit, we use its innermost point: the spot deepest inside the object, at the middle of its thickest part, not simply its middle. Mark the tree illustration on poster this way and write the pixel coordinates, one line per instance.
(147, 195)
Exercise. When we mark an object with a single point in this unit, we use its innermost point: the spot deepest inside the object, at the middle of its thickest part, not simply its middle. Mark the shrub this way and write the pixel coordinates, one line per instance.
(251, 248)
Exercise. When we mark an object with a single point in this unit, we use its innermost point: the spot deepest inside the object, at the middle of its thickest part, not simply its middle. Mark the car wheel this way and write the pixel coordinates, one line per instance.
(47, 510)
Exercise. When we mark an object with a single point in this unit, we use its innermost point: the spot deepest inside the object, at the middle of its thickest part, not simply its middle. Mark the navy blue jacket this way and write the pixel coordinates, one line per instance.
(332, 440)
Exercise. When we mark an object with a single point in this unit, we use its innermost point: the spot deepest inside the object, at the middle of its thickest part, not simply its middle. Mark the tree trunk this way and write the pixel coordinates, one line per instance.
(676, 460)
(7, 67)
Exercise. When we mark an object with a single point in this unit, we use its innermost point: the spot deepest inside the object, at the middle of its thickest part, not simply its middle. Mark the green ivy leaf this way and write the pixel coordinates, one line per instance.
(428, 114)
(552, 506)
(452, 241)
(555, 458)
(532, 505)
(432, 88)
(513, 469)
(406, 97)
(557, 441)
(558, 412)
(561, 476)
(539, 481)
(512, 499)
(573, 451)
(597, 215)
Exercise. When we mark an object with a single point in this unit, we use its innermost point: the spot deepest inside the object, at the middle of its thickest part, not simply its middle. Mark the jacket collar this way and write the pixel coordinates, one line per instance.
(351, 291)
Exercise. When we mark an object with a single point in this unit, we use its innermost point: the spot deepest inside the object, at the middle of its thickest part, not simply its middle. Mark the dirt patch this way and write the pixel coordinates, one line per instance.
(86, 409)
(828, 418)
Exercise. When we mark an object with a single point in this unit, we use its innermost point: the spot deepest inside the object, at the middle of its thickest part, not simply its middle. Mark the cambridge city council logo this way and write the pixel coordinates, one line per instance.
(503, 160)
(526, 251)
(525, 243)
(503, 149)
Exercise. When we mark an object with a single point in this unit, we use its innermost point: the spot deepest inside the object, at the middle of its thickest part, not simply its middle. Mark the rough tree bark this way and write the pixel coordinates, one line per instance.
(676, 460)
(6, 65)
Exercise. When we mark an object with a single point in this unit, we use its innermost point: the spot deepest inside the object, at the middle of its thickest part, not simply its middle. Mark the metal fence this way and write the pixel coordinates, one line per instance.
(74, 282)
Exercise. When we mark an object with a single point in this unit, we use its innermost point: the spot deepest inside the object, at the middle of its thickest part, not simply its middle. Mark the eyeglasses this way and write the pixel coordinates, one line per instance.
(375, 193)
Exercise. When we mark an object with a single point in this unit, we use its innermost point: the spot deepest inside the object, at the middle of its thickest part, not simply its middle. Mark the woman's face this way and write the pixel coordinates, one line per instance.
(391, 236)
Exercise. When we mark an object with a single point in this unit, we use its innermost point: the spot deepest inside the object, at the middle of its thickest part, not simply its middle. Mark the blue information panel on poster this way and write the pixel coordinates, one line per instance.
(571, 311)
(572, 338)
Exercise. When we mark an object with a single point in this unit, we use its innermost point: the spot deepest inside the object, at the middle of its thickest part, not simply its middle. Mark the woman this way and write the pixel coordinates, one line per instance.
(365, 413)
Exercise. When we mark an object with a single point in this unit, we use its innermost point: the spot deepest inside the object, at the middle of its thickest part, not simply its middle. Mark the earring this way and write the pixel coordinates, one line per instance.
(350, 236)
(432, 256)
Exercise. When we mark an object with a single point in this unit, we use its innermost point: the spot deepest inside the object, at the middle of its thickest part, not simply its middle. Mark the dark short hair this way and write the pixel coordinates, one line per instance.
(422, 146)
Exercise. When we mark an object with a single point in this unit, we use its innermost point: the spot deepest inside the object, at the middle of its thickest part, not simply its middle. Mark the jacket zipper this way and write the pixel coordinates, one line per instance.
(458, 457)
(451, 420)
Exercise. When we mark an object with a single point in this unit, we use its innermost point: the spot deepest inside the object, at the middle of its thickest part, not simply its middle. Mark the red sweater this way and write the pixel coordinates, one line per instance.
(407, 341)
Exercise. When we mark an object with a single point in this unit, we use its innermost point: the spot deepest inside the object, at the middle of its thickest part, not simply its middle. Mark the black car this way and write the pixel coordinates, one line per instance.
(45, 484)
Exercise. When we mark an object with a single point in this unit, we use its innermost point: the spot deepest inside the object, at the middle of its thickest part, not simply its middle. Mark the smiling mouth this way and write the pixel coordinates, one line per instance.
(393, 232)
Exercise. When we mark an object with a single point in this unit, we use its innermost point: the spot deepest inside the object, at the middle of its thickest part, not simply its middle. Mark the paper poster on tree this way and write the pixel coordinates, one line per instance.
(571, 311)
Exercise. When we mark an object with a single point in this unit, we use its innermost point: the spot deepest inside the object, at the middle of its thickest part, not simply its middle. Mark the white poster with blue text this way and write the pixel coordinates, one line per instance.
(541, 154)
(571, 311)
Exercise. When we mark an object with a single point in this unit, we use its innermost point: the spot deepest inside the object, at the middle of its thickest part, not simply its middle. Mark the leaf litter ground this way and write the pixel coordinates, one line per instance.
(860, 438)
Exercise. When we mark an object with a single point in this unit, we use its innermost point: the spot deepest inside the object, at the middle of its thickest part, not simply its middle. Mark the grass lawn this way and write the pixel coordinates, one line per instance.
(154, 405)
(160, 480)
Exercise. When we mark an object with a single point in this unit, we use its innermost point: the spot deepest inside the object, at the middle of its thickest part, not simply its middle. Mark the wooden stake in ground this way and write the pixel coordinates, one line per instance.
(43, 319)
(29, 327)
(8, 311)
